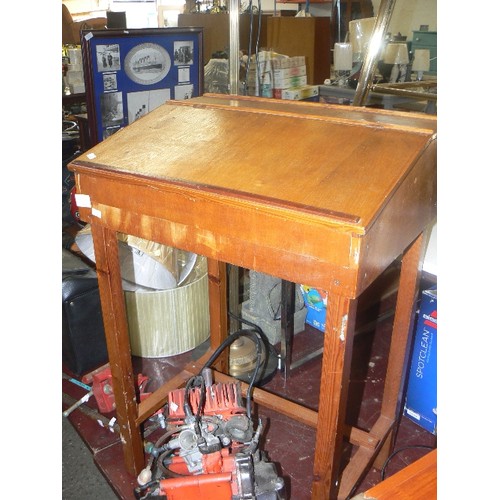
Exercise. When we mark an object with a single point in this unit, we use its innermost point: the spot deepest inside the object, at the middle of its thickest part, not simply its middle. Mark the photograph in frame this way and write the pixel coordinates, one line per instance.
(128, 73)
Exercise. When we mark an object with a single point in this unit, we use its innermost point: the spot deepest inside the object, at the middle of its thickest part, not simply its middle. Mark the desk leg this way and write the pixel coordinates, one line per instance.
(402, 335)
(233, 284)
(217, 295)
(287, 325)
(337, 354)
(117, 340)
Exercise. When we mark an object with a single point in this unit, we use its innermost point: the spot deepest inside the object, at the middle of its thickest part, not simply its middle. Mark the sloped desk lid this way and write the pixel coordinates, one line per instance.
(336, 161)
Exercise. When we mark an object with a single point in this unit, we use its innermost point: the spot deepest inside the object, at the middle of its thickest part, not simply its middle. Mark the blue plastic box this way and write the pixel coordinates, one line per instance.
(315, 301)
(421, 395)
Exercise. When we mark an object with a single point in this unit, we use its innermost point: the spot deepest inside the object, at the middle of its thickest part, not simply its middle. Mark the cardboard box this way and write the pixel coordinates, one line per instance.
(287, 83)
(298, 93)
(421, 395)
(288, 62)
(316, 301)
(282, 73)
(304, 37)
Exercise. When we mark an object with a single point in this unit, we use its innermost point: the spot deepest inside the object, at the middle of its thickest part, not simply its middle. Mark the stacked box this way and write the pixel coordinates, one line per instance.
(298, 93)
(282, 73)
(265, 73)
(288, 62)
(421, 394)
(277, 73)
(287, 83)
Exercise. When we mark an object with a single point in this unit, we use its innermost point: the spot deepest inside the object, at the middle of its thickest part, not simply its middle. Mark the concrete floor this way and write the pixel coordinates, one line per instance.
(81, 479)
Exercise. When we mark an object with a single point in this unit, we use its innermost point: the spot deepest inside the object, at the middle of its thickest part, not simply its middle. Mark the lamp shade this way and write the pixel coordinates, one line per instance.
(422, 60)
(360, 32)
(342, 57)
(396, 53)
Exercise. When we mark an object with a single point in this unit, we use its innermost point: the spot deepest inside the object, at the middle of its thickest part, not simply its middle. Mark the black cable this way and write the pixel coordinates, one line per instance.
(254, 335)
(159, 442)
(263, 336)
(148, 486)
(258, 347)
(193, 382)
(198, 380)
(394, 453)
(276, 314)
(165, 471)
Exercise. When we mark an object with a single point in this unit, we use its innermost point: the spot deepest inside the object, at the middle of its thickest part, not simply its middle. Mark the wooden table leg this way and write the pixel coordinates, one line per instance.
(217, 295)
(402, 335)
(337, 354)
(233, 295)
(118, 344)
(287, 325)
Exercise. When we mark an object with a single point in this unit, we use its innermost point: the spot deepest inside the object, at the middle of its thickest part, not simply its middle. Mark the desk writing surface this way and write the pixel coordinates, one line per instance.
(291, 159)
(310, 168)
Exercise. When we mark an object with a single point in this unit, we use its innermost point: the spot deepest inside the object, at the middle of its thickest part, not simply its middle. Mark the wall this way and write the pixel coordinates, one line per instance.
(144, 14)
(139, 14)
(407, 15)
(82, 8)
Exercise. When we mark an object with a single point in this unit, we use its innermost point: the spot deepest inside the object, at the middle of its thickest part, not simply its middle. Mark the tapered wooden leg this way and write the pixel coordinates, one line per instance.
(118, 344)
(402, 335)
(287, 325)
(337, 354)
(217, 294)
(233, 295)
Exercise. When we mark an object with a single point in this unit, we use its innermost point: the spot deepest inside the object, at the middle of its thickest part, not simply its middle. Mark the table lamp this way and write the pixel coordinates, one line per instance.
(360, 33)
(342, 62)
(421, 62)
(397, 55)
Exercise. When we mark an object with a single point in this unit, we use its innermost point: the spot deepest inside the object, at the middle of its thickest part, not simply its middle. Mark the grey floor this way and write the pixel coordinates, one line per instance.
(81, 479)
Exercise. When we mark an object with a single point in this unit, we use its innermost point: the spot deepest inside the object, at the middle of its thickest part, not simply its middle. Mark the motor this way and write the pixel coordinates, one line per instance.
(210, 449)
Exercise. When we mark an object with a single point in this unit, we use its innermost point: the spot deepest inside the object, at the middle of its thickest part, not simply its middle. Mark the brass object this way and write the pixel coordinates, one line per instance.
(242, 356)
(426, 89)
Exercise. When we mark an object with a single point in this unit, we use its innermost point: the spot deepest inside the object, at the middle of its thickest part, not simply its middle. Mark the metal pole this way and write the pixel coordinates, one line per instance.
(371, 57)
(234, 46)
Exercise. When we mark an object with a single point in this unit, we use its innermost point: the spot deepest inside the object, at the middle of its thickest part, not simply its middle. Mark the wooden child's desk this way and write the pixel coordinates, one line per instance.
(324, 195)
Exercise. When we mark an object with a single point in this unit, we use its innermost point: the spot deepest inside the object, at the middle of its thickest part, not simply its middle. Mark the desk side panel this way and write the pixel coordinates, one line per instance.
(295, 246)
(408, 213)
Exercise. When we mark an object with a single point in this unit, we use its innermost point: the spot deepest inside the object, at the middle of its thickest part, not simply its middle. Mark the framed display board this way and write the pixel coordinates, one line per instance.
(131, 72)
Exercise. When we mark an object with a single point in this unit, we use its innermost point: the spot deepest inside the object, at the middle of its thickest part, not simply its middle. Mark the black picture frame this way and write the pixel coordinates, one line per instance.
(130, 72)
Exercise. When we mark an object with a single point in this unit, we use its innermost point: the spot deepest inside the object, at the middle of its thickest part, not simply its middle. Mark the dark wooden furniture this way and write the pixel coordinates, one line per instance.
(84, 132)
(68, 100)
(349, 10)
(216, 31)
(303, 36)
(427, 40)
(71, 29)
(318, 194)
